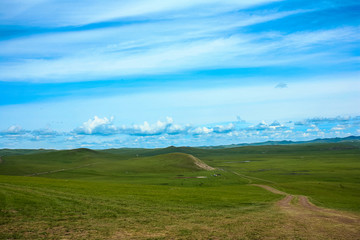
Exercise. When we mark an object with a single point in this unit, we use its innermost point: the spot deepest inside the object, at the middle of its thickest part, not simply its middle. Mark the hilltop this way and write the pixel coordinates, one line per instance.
(182, 192)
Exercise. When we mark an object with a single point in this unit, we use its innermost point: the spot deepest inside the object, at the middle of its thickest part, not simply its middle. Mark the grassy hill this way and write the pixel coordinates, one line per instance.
(11, 152)
(126, 167)
(328, 173)
(163, 193)
(48, 161)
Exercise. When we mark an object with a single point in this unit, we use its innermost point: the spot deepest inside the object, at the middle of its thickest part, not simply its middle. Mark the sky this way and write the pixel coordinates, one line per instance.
(153, 73)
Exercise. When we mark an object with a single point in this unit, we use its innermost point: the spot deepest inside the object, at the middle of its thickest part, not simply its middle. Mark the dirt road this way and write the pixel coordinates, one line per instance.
(250, 179)
(270, 189)
(304, 220)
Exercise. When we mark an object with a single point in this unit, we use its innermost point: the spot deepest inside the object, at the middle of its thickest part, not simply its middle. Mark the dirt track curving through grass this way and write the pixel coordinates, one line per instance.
(251, 179)
(304, 220)
(270, 189)
(315, 222)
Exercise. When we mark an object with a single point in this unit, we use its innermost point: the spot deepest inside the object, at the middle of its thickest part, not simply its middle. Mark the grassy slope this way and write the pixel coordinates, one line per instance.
(48, 161)
(56, 209)
(122, 196)
(164, 169)
(130, 193)
(12, 152)
(328, 173)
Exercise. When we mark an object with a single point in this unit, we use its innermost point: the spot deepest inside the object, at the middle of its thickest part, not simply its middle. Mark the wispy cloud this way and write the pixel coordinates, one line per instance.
(45, 132)
(235, 51)
(169, 46)
(18, 135)
(68, 13)
(155, 47)
(332, 120)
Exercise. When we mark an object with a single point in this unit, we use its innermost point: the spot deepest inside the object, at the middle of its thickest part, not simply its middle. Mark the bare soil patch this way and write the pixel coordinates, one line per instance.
(200, 163)
(285, 202)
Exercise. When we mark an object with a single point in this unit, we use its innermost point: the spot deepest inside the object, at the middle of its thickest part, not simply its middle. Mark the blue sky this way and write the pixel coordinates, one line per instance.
(156, 73)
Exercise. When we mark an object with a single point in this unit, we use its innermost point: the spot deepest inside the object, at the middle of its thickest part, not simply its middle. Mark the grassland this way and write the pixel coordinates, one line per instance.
(163, 194)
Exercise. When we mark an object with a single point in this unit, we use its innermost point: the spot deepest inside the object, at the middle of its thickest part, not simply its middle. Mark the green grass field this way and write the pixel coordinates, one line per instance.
(163, 194)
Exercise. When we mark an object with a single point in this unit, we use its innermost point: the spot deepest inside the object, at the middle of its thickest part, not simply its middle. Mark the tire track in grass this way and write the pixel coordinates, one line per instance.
(250, 179)
(304, 220)
(317, 222)
(270, 189)
(60, 170)
(300, 201)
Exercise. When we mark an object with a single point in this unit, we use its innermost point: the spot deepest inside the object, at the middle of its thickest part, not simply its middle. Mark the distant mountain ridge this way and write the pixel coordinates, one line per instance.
(353, 140)
(288, 142)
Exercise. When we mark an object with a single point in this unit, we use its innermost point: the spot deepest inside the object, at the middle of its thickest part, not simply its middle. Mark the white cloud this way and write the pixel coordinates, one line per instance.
(276, 125)
(102, 133)
(104, 126)
(14, 130)
(315, 129)
(160, 127)
(339, 128)
(101, 126)
(224, 129)
(147, 129)
(202, 130)
(263, 126)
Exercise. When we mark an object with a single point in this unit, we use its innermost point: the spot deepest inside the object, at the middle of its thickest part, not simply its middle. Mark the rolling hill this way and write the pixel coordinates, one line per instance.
(173, 193)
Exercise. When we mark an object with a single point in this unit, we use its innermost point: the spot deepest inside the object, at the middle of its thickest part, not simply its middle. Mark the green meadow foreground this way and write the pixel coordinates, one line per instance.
(303, 191)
